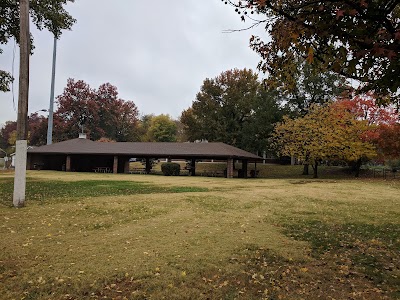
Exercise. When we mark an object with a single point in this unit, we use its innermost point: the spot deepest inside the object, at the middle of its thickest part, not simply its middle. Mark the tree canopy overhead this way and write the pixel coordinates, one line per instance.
(45, 14)
(359, 39)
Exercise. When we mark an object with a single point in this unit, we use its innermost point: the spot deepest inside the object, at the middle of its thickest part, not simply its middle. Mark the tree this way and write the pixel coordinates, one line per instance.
(226, 108)
(49, 14)
(365, 107)
(325, 133)
(311, 85)
(180, 132)
(143, 127)
(12, 138)
(127, 122)
(384, 132)
(99, 113)
(223, 107)
(37, 130)
(77, 111)
(116, 117)
(190, 125)
(162, 129)
(6, 132)
(266, 112)
(358, 39)
(388, 141)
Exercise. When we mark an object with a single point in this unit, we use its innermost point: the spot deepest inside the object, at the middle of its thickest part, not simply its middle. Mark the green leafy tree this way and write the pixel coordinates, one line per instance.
(232, 108)
(143, 127)
(311, 85)
(190, 125)
(358, 39)
(223, 107)
(266, 112)
(162, 129)
(45, 14)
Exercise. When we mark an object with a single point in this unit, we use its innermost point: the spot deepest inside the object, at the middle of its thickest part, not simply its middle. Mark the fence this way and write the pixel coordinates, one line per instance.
(385, 173)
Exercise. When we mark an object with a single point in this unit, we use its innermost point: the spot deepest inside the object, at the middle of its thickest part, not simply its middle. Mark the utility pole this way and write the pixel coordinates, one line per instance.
(22, 117)
(53, 77)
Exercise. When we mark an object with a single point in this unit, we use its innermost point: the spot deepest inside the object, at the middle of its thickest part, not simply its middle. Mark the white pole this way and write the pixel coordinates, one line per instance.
(53, 77)
(20, 173)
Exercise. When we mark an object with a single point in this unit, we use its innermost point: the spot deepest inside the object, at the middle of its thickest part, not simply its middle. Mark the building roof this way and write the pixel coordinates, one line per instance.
(153, 150)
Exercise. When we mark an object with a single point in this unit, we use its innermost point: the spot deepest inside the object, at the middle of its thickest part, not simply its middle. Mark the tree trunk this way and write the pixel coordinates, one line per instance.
(315, 168)
(305, 169)
(357, 167)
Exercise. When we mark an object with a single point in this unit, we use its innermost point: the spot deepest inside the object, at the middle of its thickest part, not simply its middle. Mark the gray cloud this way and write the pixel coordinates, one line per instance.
(157, 53)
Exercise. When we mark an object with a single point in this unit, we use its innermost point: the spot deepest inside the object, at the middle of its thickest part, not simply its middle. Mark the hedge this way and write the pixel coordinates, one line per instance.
(171, 169)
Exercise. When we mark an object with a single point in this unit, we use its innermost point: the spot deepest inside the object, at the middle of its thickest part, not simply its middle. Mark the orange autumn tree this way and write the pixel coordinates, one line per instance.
(384, 130)
(388, 141)
(325, 133)
(365, 107)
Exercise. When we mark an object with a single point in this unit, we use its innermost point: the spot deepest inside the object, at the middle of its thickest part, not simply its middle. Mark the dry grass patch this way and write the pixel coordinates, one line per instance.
(215, 239)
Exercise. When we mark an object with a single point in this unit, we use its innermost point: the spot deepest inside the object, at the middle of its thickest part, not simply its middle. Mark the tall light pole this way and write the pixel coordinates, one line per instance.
(51, 107)
(22, 117)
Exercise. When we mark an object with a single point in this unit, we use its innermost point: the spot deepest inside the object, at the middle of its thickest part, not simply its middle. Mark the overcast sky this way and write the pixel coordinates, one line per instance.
(157, 53)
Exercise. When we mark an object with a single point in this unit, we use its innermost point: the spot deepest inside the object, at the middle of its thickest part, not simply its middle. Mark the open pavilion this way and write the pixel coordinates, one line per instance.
(84, 155)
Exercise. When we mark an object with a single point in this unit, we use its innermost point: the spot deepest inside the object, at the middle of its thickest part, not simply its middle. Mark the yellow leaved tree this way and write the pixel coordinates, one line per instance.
(325, 133)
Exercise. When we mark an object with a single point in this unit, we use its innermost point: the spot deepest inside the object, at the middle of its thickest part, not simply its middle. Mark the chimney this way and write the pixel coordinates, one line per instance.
(82, 135)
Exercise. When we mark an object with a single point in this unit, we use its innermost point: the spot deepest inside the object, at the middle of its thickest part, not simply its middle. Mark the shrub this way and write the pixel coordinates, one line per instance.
(171, 169)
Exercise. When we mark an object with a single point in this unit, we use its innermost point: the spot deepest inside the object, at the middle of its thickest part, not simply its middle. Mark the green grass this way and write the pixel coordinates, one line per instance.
(105, 236)
(325, 237)
(367, 249)
(39, 190)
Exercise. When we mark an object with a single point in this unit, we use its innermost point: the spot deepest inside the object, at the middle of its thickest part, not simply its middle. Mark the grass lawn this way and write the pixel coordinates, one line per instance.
(106, 236)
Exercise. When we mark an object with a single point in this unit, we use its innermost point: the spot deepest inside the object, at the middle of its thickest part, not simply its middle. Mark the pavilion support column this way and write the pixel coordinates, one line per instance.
(148, 166)
(115, 164)
(126, 166)
(193, 167)
(28, 162)
(244, 167)
(68, 164)
(229, 168)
